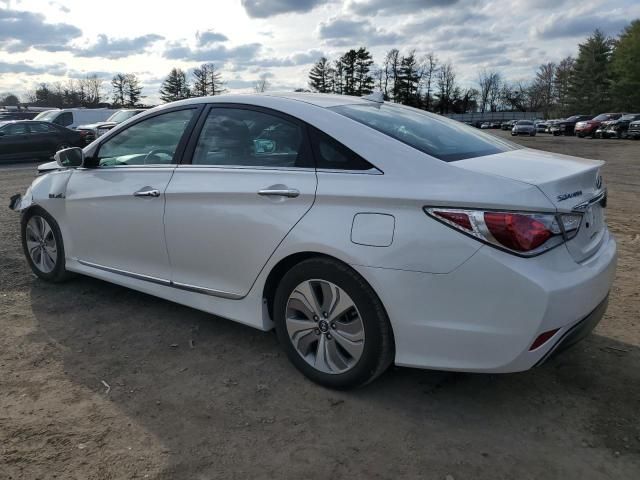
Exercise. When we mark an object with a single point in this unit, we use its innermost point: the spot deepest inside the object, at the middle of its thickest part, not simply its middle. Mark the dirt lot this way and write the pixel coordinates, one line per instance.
(231, 405)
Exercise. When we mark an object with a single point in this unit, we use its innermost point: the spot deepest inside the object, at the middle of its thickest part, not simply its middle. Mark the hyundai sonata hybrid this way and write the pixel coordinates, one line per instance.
(366, 233)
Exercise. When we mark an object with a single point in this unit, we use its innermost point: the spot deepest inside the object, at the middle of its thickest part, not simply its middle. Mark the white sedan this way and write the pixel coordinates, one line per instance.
(365, 233)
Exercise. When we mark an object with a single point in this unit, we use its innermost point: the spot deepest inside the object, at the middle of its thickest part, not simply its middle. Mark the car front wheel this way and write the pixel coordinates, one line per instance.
(42, 245)
(332, 325)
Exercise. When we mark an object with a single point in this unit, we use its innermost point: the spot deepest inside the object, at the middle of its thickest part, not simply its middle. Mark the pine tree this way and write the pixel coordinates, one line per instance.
(207, 81)
(319, 76)
(348, 61)
(589, 85)
(625, 67)
(118, 86)
(408, 80)
(132, 90)
(175, 86)
(363, 81)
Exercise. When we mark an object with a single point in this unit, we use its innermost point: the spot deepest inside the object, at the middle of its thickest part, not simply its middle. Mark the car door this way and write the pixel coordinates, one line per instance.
(115, 207)
(14, 141)
(250, 180)
(42, 138)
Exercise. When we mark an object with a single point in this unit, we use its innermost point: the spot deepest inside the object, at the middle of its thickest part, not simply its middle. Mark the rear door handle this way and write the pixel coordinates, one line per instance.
(279, 192)
(147, 192)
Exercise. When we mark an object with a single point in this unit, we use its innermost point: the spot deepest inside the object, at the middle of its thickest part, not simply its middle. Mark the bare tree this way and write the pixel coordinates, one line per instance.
(545, 84)
(446, 82)
(489, 82)
(430, 68)
(261, 85)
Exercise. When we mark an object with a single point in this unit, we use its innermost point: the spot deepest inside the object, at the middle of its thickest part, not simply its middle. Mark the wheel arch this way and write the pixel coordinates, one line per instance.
(279, 270)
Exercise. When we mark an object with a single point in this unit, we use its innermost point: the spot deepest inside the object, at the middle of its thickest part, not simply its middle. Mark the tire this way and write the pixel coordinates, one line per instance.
(308, 331)
(48, 261)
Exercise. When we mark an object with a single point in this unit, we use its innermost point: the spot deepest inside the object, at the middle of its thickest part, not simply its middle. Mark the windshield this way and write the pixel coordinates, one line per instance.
(122, 115)
(602, 117)
(432, 134)
(630, 117)
(47, 116)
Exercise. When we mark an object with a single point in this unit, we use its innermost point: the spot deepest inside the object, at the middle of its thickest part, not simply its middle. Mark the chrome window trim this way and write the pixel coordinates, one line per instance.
(161, 281)
(195, 166)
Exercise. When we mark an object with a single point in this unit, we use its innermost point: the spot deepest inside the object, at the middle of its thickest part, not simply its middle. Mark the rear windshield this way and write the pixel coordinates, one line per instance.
(524, 122)
(432, 134)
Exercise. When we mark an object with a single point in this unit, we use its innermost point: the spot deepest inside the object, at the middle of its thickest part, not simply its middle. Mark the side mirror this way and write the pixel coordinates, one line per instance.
(69, 157)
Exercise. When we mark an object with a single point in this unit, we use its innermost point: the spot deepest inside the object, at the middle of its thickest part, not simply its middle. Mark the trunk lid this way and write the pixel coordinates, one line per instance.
(570, 183)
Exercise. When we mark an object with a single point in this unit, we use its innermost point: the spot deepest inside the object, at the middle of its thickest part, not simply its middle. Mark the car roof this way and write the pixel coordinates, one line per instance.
(325, 100)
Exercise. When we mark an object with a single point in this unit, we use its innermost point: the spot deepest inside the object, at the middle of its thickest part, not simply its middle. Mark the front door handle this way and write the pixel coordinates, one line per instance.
(147, 192)
(279, 192)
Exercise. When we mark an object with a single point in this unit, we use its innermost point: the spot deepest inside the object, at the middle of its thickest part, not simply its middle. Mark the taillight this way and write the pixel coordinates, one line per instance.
(517, 232)
(522, 233)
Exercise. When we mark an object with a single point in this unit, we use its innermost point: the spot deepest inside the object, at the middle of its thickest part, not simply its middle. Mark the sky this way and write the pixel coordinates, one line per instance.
(58, 40)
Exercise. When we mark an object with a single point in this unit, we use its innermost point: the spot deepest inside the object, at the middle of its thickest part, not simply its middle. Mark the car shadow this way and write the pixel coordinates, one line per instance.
(221, 399)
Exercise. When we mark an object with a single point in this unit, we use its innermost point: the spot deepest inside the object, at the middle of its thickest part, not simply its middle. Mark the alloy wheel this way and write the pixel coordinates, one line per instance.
(41, 244)
(324, 326)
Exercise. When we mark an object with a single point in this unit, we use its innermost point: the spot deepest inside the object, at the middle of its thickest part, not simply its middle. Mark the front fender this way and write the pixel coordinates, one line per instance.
(44, 190)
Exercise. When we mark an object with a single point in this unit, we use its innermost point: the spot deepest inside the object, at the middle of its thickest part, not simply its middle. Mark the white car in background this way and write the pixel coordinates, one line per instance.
(94, 130)
(366, 233)
(74, 117)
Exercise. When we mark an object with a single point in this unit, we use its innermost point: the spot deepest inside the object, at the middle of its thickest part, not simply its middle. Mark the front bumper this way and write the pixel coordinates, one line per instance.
(485, 315)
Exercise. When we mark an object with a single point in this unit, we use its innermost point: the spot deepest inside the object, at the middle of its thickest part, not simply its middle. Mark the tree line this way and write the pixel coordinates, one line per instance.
(604, 76)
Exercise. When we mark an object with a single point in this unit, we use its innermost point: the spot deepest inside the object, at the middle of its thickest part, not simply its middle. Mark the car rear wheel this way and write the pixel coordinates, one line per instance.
(332, 325)
(42, 245)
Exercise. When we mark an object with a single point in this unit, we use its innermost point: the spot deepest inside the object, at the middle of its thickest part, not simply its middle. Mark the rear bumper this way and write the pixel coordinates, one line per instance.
(577, 332)
(485, 315)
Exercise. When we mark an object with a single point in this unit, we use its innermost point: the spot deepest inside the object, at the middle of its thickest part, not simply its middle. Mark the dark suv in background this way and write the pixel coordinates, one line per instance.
(567, 126)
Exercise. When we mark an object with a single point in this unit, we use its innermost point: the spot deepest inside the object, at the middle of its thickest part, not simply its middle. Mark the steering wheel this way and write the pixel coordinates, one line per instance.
(155, 153)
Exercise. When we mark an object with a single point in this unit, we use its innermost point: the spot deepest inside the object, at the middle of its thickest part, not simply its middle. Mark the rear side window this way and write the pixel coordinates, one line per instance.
(432, 134)
(240, 137)
(332, 155)
(41, 128)
(65, 119)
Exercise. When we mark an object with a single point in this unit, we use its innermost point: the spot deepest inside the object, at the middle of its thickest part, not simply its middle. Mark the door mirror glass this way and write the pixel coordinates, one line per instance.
(70, 157)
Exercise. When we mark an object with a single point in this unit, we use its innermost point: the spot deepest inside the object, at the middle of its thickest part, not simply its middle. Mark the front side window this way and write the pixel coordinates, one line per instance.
(249, 138)
(152, 141)
(432, 134)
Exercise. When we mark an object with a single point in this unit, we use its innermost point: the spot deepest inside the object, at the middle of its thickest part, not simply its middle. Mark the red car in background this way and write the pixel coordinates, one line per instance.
(588, 128)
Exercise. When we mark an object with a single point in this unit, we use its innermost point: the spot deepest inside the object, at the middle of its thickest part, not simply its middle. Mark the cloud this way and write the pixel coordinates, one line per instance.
(374, 7)
(299, 58)
(216, 53)
(564, 25)
(345, 32)
(20, 30)
(29, 69)
(208, 37)
(114, 48)
(270, 8)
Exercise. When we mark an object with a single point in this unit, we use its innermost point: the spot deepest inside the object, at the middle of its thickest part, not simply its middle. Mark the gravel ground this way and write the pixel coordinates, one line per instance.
(193, 396)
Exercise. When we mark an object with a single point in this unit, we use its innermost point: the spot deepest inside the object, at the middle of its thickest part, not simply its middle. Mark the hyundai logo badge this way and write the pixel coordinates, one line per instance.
(598, 182)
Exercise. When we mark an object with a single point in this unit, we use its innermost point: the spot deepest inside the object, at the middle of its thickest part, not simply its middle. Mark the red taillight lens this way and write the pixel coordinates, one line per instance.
(517, 232)
(459, 218)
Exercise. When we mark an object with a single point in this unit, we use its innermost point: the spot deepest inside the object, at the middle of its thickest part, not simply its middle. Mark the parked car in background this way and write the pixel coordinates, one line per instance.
(587, 128)
(485, 125)
(506, 125)
(73, 117)
(617, 128)
(634, 130)
(94, 130)
(494, 125)
(524, 127)
(6, 115)
(567, 126)
(541, 126)
(324, 216)
(32, 140)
